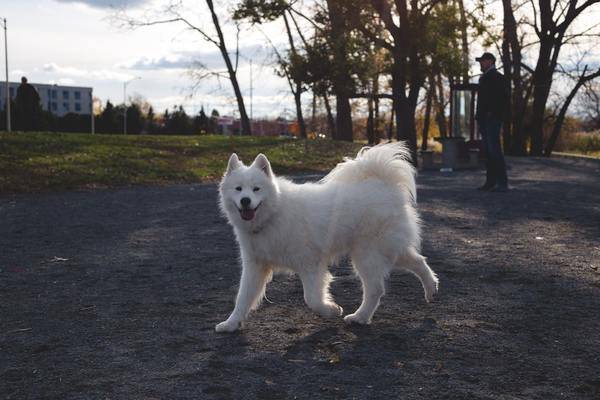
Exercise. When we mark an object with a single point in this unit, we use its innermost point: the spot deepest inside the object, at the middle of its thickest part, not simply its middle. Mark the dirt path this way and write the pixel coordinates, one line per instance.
(115, 294)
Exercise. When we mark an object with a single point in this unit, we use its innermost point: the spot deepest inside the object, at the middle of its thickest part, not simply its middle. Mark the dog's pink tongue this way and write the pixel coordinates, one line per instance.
(247, 214)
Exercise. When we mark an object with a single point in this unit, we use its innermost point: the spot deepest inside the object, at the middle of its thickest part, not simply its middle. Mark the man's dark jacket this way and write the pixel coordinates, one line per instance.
(28, 99)
(493, 96)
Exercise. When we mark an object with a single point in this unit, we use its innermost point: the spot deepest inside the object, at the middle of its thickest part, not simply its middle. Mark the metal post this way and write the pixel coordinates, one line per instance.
(8, 127)
(125, 108)
(92, 111)
(251, 90)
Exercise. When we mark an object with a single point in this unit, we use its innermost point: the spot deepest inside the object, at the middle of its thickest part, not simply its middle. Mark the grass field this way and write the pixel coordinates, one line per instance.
(33, 162)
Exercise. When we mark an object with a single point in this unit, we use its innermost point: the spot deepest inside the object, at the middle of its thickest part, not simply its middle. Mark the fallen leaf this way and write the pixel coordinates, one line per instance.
(439, 366)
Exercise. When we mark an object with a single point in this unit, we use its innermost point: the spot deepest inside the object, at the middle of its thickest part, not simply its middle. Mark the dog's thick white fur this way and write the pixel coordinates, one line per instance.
(363, 208)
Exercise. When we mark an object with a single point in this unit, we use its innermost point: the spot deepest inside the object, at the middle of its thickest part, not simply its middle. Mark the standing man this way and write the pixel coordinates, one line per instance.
(28, 106)
(492, 105)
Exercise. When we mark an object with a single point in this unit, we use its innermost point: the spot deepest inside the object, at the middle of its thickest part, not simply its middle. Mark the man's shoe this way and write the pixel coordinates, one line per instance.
(485, 188)
(500, 188)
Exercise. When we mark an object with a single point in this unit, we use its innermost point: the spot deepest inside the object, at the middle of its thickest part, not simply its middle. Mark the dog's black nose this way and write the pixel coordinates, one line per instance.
(245, 201)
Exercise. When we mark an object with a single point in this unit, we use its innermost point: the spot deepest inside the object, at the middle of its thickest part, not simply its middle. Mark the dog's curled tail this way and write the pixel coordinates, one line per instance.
(389, 162)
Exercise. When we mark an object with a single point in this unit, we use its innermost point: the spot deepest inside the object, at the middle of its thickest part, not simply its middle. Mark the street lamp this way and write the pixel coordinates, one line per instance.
(125, 102)
(8, 128)
(251, 90)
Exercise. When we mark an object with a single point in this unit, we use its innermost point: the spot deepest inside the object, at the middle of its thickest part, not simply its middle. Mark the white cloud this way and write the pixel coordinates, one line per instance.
(184, 59)
(62, 81)
(164, 62)
(18, 73)
(102, 74)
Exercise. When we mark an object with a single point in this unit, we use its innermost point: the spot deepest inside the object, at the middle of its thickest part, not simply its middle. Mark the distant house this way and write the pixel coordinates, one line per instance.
(57, 99)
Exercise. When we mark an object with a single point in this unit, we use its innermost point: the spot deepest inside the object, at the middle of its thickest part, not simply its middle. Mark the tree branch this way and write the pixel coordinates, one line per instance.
(572, 14)
(134, 24)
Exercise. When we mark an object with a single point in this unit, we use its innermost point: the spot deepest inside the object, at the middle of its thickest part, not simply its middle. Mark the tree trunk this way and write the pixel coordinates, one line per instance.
(426, 119)
(512, 59)
(551, 40)
(245, 121)
(507, 125)
(390, 131)
(299, 115)
(313, 120)
(370, 127)
(343, 118)
(405, 116)
(441, 106)
(376, 105)
(341, 79)
(465, 41)
(330, 120)
(542, 81)
(297, 91)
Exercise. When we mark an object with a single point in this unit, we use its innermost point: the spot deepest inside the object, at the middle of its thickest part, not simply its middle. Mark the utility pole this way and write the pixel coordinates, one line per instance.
(251, 89)
(125, 103)
(92, 111)
(8, 127)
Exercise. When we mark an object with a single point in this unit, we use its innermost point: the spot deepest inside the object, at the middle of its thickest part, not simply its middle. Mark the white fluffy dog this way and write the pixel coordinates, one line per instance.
(363, 208)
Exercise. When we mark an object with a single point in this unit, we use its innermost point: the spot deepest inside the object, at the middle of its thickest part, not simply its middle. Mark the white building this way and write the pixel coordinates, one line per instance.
(57, 99)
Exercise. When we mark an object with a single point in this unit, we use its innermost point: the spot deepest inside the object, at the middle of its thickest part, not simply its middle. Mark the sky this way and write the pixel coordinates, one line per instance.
(78, 43)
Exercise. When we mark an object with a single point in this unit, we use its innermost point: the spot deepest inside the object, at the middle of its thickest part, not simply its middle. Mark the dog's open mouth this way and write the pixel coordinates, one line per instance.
(247, 214)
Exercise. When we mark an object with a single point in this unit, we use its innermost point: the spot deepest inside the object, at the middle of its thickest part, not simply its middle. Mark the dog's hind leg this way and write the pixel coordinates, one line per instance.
(372, 269)
(252, 289)
(316, 292)
(415, 263)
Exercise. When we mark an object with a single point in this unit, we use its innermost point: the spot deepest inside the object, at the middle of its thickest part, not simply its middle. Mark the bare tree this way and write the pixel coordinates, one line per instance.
(582, 79)
(552, 23)
(589, 105)
(172, 14)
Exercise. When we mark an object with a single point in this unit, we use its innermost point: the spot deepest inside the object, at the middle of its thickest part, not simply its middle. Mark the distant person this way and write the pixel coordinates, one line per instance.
(28, 106)
(492, 105)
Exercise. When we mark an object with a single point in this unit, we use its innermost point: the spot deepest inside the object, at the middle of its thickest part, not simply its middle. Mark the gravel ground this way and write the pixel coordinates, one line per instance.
(114, 294)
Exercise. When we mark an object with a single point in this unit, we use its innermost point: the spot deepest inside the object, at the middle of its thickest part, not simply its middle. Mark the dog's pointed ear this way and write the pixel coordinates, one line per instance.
(233, 164)
(263, 164)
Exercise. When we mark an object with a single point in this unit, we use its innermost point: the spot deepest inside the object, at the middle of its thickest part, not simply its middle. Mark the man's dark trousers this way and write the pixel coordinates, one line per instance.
(494, 159)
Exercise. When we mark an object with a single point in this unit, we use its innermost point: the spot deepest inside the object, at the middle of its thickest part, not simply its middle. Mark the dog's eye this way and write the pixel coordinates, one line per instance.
(239, 188)
(255, 189)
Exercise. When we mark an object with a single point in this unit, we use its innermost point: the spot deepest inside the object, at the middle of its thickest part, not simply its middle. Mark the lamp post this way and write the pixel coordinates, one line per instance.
(8, 127)
(125, 102)
(251, 90)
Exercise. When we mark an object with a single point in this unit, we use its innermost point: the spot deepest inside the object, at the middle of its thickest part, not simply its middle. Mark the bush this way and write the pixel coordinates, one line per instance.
(582, 142)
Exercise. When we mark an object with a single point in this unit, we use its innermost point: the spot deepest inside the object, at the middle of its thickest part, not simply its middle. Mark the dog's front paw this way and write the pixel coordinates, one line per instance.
(228, 326)
(431, 291)
(329, 310)
(356, 319)
(333, 310)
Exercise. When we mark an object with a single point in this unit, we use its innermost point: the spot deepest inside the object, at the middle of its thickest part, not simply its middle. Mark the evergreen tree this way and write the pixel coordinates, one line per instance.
(177, 122)
(108, 121)
(151, 126)
(201, 123)
(135, 121)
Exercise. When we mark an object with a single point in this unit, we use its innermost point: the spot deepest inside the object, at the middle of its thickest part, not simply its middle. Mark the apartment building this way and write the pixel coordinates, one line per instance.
(57, 99)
